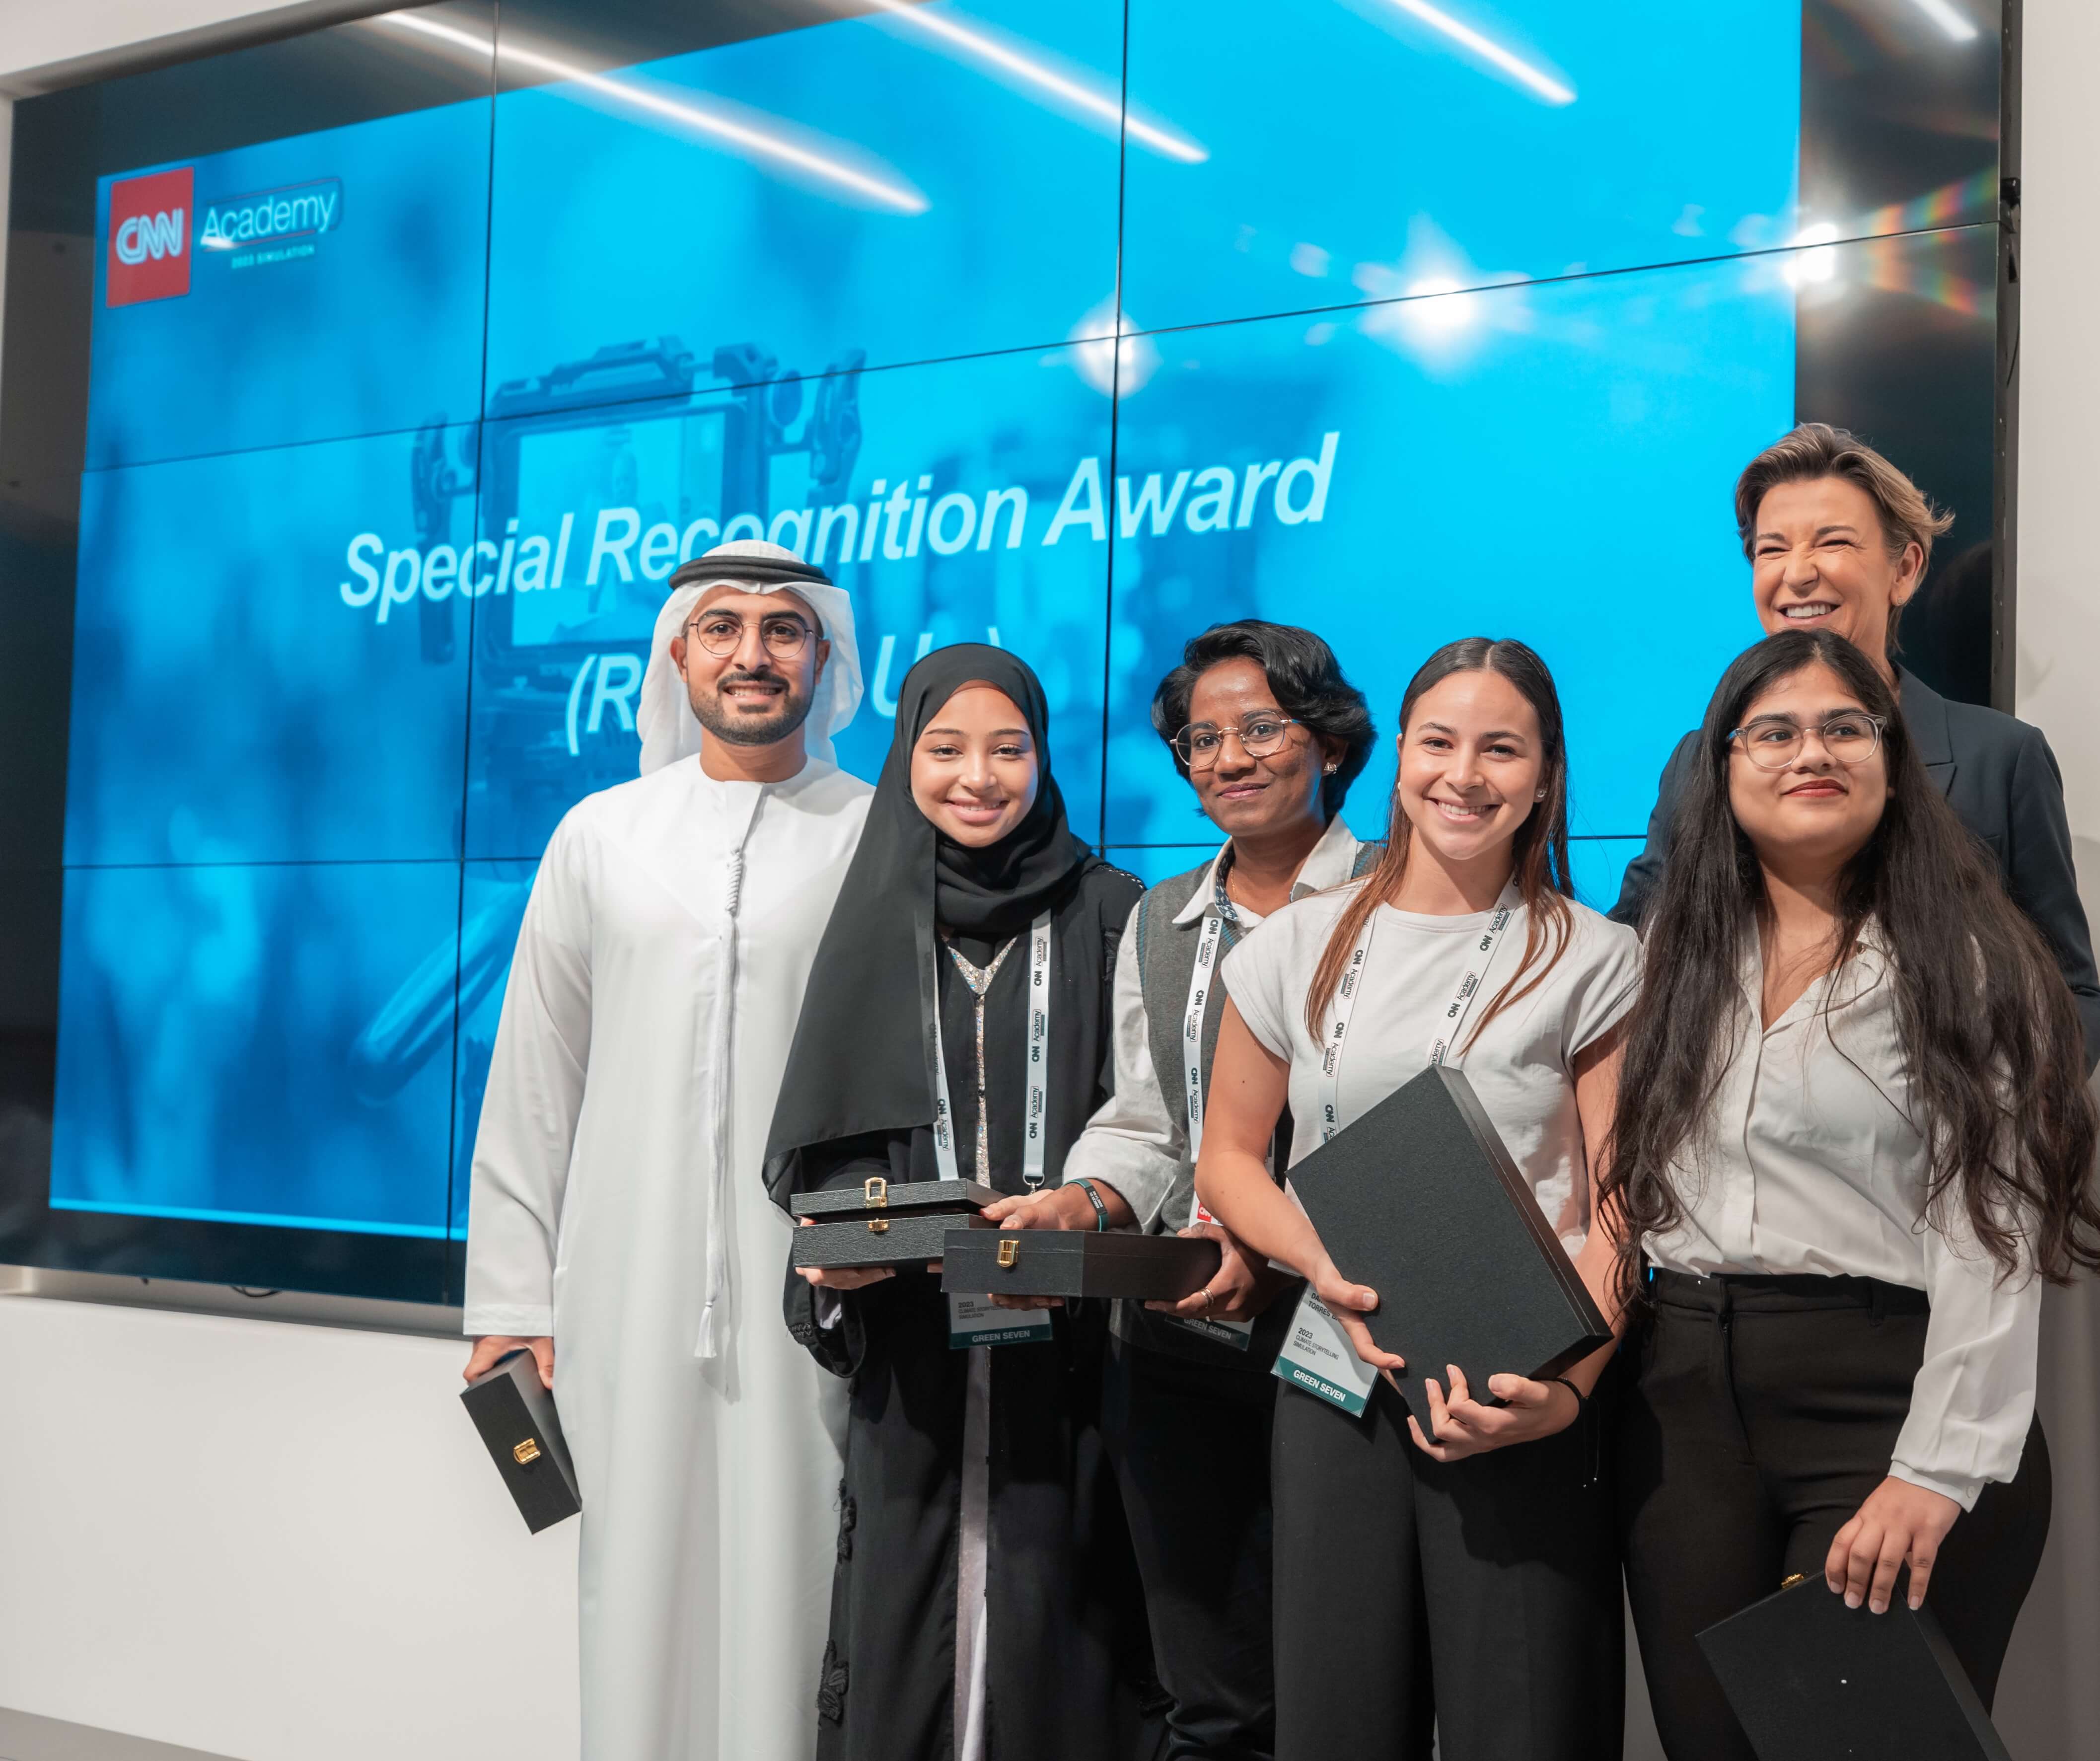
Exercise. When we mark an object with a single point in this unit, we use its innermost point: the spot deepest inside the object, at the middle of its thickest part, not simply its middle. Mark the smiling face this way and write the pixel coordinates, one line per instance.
(1816, 814)
(1819, 560)
(974, 772)
(1471, 763)
(1245, 796)
(752, 694)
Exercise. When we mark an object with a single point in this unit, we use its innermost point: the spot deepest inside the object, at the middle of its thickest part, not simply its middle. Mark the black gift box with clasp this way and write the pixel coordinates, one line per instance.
(1075, 1263)
(515, 1415)
(1807, 1676)
(881, 1223)
(1420, 1199)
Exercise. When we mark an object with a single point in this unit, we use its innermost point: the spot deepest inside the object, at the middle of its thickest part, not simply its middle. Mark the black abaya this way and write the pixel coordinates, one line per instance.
(1067, 1658)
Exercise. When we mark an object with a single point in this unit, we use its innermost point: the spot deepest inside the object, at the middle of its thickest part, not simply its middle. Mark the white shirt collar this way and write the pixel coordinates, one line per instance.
(1850, 984)
(1326, 864)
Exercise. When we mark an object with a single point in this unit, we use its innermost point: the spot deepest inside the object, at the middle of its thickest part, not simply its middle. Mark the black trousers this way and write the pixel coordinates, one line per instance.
(1764, 1411)
(1190, 1445)
(1477, 1602)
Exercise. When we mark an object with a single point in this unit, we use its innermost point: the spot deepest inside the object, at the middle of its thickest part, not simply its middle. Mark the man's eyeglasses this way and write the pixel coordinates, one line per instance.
(1773, 743)
(722, 633)
(1259, 737)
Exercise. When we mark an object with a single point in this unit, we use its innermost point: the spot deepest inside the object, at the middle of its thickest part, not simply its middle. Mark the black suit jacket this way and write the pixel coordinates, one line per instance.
(2002, 782)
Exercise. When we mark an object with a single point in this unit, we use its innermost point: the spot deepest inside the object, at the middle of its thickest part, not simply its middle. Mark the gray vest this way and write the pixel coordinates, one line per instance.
(1167, 966)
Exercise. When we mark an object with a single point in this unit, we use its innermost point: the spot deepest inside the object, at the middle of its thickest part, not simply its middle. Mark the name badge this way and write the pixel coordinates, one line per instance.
(977, 1321)
(1238, 1334)
(1319, 1359)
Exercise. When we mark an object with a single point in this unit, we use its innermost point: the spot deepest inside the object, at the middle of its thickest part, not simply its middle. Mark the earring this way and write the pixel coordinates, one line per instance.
(1331, 770)
(1540, 796)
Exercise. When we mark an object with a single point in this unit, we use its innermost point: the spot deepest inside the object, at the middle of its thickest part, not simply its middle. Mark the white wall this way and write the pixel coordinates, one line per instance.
(38, 35)
(2059, 551)
(269, 1541)
(2049, 1703)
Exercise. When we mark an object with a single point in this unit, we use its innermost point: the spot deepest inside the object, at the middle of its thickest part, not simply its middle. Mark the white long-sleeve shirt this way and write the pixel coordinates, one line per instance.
(1135, 1144)
(1811, 1163)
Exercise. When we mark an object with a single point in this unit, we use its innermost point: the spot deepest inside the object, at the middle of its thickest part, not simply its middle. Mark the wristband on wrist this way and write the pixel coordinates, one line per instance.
(1595, 1466)
(1093, 1198)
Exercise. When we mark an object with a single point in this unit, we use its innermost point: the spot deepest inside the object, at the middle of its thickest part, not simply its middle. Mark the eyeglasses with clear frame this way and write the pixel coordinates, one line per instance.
(1773, 743)
(1260, 736)
(721, 634)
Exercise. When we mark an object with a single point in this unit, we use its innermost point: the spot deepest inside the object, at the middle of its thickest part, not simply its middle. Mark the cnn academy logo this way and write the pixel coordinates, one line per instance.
(153, 228)
(149, 243)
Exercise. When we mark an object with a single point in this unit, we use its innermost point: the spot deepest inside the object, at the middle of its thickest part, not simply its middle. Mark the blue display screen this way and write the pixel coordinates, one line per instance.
(1434, 322)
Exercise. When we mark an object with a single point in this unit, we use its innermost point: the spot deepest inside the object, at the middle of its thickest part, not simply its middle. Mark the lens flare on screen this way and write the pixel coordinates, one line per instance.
(766, 140)
(1947, 18)
(1432, 304)
(1966, 199)
(1109, 365)
(1031, 67)
(1540, 84)
(1897, 266)
(1814, 262)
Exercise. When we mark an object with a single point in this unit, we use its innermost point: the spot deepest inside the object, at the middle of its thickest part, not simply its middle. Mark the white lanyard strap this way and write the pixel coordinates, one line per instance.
(1477, 969)
(944, 1113)
(1338, 1012)
(1032, 1165)
(1209, 944)
(1191, 1048)
(1039, 1052)
(1481, 954)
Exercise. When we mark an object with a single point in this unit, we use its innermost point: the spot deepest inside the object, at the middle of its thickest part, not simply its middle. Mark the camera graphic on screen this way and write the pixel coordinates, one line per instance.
(556, 672)
(671, 469)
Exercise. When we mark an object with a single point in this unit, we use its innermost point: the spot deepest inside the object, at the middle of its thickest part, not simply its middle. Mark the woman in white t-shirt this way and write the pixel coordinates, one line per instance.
(1419, 1593)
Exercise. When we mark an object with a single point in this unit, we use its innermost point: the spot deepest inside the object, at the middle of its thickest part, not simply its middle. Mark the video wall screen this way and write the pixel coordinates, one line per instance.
(394, 367)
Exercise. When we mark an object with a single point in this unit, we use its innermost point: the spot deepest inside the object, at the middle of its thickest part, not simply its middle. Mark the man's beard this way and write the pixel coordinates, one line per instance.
(736, 728)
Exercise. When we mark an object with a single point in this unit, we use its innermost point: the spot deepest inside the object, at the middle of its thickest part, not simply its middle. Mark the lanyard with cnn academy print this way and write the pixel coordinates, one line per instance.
(1451, 1030)
(1209, 944)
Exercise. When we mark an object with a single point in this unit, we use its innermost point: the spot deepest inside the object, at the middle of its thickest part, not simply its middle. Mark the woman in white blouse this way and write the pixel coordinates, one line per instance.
(1421, 1596)
(1852, 1141)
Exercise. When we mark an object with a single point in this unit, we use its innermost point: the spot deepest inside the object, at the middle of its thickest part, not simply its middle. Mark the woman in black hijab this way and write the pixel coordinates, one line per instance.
(984, 1605)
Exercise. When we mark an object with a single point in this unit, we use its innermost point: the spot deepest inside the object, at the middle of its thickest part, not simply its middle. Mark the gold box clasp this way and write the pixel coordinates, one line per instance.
(1009, 1251)
(526, 1453)
(1788, 1583)
(875, 1191)
(878, 1225)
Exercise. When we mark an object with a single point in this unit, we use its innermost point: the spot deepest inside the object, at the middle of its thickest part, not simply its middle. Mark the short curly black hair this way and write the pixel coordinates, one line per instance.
(1309, 682)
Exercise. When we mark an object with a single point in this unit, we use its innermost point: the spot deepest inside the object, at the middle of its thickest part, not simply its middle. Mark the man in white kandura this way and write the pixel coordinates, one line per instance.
(620, 1228)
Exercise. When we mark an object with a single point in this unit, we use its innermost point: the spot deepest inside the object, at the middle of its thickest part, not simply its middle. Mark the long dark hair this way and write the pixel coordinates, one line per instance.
(1540, 847)
(1992, 1044)
(1309, 685)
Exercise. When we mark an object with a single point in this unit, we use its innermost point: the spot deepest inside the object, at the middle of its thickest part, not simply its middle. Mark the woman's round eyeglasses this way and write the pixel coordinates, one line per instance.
(1259, 737)
(1773, 743)
(722, 633)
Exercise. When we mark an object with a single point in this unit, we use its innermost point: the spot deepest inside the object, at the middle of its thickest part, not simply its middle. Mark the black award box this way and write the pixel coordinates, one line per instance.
(1420, 1199)
(515, 1415)
(1076, 1263)
(879, 1224)
(1807, 1677)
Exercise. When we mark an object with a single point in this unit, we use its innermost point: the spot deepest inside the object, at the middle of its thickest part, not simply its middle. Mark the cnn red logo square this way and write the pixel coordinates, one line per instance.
(149, 237)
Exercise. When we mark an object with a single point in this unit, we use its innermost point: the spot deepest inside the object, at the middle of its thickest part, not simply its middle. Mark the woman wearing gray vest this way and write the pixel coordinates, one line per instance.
(1269, 734)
